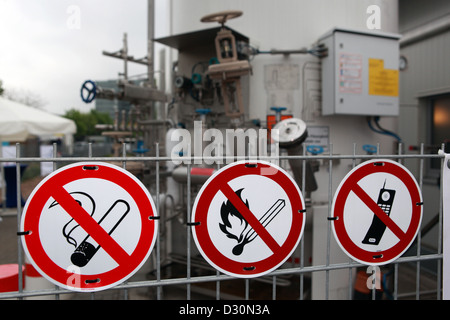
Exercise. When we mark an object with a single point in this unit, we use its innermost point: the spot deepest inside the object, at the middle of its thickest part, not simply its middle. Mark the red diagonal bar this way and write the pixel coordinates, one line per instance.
(373, 206)
(249, 217)
(68, 203)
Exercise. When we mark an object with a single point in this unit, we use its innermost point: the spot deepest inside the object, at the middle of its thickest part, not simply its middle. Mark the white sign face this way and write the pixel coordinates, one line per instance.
(246, 222)
(89, 226)
(377, 211)
(272, 209)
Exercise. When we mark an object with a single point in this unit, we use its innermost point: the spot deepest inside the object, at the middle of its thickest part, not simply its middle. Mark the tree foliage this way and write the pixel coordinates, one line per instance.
(86, 122)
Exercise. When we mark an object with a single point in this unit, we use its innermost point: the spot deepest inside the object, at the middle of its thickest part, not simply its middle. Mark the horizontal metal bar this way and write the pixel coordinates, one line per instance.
(213, 278)
(224, 158)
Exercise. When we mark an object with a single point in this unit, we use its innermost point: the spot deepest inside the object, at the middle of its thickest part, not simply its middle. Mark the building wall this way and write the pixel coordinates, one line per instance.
(425, 45)
(110, 106)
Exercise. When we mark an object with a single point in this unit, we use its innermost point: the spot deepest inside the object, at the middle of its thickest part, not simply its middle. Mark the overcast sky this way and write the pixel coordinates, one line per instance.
(50, 47)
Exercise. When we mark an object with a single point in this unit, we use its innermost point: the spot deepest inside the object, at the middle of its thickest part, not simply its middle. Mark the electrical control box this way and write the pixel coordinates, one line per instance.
(360, 73)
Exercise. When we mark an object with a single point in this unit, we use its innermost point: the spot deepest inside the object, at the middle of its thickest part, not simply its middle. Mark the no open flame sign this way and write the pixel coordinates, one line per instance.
(248, 218)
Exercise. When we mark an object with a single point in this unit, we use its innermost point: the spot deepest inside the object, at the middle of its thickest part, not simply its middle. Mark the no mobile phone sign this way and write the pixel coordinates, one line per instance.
(377, 211)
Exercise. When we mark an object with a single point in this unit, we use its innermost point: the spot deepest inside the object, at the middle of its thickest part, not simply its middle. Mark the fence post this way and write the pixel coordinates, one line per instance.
(446, 224)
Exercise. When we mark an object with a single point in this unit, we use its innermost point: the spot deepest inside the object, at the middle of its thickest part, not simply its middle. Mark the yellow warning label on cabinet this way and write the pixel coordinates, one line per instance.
(382, 82)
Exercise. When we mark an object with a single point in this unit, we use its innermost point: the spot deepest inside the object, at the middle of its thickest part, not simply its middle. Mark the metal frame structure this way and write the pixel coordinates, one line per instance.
(275, 277)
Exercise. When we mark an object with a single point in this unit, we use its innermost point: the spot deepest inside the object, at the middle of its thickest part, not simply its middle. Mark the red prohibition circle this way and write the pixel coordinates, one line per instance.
(219, 181)
(348, 184)
(53, 184)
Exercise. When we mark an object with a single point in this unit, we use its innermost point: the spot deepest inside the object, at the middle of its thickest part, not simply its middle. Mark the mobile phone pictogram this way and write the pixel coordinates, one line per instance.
(377, 228)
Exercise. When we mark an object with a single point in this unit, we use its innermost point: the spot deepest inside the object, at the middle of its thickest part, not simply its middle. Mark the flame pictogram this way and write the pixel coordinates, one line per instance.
(234, 224)
(236, 227)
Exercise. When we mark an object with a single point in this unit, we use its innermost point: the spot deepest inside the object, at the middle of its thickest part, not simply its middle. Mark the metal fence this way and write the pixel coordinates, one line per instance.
(291, 281)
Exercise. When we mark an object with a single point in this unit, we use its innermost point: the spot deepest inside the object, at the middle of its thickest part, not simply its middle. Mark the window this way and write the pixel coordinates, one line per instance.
(439, 131)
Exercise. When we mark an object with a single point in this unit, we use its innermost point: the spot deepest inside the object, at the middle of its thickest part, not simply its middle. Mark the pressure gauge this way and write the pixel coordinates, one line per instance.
(289, 132)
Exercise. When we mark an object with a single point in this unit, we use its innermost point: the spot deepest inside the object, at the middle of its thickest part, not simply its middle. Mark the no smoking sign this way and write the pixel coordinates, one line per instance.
(89, 226)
